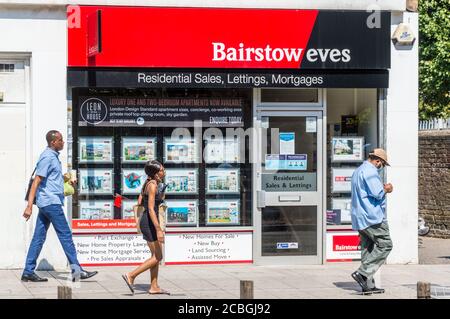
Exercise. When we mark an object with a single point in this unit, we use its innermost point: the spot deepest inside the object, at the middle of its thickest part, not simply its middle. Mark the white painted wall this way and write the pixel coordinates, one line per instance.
(41, 33)
(402, 145)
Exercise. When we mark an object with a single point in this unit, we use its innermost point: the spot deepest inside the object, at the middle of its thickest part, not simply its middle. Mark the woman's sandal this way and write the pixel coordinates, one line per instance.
(125, 277)
(160, 292)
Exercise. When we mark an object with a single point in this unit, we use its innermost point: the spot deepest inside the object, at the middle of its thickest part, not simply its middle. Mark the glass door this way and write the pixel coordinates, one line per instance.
(288, 217)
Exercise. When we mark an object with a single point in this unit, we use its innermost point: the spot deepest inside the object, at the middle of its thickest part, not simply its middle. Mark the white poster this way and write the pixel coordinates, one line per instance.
(96, 209)
(311, 124)
(180, 151)
(222, 181)
(181, 181)
(341, 179)
(138, 149)
(345, 205)
(222, 151)
(222, 212)
(287, 143)
(343, 246)
(181, 212)
(95, 149)
(127, 208)
(96, 181)
(111, 250)
(200, 248)
(133, 180)
(347, 149)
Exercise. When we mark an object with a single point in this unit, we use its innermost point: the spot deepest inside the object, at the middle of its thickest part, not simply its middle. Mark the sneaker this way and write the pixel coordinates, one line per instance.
(373, 290)
(361, 280)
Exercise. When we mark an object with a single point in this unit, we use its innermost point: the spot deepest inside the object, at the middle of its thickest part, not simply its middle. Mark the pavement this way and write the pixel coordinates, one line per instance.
(434, 250)
(223, 282)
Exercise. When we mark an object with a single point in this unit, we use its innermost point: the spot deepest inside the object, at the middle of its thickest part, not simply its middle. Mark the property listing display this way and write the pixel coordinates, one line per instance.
(181, 181)
(208, 178)
(350, 138)
(138, 149)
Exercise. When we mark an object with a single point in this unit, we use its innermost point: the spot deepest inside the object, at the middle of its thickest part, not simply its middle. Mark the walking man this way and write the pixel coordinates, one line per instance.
(369, 218)
(48, 188)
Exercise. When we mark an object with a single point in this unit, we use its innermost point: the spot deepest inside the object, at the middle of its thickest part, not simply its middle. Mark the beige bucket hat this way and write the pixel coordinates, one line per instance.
(381, 153)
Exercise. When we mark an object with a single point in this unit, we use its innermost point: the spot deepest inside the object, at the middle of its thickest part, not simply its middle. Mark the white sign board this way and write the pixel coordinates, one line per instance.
(111, 250)
(204, 248)
(343, 246)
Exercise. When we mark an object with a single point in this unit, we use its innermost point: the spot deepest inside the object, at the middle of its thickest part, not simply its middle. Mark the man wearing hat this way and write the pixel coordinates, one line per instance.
(369, 218)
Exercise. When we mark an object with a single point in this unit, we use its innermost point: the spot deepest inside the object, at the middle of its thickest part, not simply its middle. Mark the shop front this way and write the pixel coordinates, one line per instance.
(259, 129)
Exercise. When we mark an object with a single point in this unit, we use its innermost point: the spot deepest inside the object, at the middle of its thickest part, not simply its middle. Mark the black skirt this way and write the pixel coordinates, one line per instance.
(147, 228)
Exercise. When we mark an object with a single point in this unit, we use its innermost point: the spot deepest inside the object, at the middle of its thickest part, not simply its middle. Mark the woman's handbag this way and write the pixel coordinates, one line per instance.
(138, 211)
(162, 216)
(68, 188)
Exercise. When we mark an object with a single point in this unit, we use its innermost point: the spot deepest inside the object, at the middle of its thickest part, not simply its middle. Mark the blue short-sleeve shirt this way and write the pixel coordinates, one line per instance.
(51, 188)
(368, 197)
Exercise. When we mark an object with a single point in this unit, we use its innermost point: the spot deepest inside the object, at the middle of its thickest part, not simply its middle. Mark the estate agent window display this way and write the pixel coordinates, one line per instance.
(214, 191)
(351, 136)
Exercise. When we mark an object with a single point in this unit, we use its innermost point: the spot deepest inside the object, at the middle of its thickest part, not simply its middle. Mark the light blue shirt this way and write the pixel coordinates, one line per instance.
(368, 197)
(51, 188)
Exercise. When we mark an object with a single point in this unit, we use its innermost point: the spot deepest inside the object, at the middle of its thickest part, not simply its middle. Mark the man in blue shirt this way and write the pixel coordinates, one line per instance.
(48, 188)
(369, 218)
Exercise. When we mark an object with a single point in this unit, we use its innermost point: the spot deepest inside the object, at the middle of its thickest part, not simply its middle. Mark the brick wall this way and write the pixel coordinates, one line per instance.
(434, 181)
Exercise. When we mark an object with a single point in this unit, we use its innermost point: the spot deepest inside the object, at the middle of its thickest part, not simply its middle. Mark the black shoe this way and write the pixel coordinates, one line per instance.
(361, 280)
(83, 275)
(373, 290)
(33, 277)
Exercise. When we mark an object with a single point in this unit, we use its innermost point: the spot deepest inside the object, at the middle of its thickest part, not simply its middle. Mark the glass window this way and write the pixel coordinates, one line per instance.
(290, 95)
(208, 179)
(352, 126)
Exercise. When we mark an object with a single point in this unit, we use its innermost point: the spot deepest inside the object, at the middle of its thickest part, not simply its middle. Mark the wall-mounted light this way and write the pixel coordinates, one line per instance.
(403, 35)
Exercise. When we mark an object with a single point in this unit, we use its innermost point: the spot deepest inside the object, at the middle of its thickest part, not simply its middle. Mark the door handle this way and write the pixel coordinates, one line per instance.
(289, 198)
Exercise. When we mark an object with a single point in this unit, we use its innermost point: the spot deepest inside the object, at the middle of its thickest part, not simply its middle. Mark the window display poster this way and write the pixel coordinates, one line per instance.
(343, 246)
(93, 210)
(222, 181)
(96, 181)
(95, 149)
(127, 208)
(345, 206)
(214, 248)
(294, 162)
(341, 179)
(311, 124)
(224, 212)
(138, 149)
(133, 180)
(181, 212)
(287, 142)
(348, 149)
(222, 151)
(334, 217)
(177, 151)
(111, 249)
(145, 111)
(181, 181)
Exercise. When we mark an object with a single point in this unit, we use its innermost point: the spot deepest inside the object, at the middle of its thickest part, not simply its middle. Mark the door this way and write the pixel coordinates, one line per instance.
(288, 176)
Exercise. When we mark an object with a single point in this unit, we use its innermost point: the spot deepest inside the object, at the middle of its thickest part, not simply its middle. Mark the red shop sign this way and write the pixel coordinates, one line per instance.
(228, 38)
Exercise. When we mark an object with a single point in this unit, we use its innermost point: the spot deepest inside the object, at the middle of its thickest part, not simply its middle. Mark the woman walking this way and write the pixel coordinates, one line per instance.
(151, 197)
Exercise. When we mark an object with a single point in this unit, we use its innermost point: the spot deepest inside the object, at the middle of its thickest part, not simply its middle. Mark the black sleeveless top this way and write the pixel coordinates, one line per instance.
(146, 225)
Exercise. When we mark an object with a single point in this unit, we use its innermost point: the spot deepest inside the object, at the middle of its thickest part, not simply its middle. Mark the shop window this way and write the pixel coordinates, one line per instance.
(289, 95)
(208, 176)
(352, 126)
